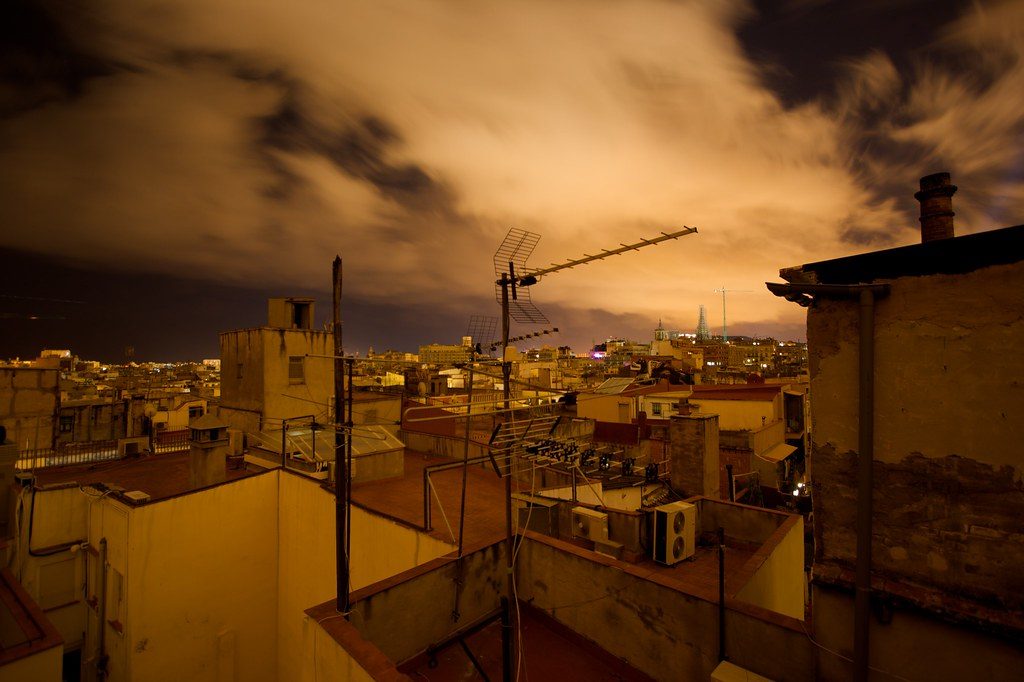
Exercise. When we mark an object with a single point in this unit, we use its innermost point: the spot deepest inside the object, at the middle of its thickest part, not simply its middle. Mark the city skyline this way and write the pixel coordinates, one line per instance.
(175, 167)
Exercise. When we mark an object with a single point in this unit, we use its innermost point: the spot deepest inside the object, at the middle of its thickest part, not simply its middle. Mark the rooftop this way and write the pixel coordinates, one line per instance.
(159, 475)
(24, 628)
(402, 498)
(736, 392)
(939, 257)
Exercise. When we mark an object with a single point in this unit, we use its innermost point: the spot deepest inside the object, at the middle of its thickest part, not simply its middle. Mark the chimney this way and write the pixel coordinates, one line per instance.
(209, 446)
(936, 197)
(694, 453)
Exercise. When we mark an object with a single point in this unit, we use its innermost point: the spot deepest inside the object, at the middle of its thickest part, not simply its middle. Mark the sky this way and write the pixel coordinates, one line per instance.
(170, 164)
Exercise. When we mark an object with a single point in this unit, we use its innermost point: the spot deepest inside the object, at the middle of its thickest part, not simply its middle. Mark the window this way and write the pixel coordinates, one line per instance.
(195, 411)
(656, 409)
(296, 371)
(238, 370)
(67, 424)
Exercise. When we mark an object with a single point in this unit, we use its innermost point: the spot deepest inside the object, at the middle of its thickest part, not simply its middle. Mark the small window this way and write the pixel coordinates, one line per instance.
(296, 371)
(195, 411)
(656, 409)
(67, 424)
(238, 370)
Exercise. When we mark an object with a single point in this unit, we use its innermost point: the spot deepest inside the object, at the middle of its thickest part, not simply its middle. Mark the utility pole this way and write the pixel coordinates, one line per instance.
(340, 470)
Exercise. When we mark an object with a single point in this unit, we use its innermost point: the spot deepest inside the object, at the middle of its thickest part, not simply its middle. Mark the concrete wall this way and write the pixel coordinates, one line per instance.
(283, 399)
(28, 405)
(202, 585)
(949, 404)
(44, 666)
(404, 615)
(242, 393)
(324, 658)
(779, 582)
(912, 646)
(604, 408)
(740, 415)
(307, 560)
(662, 631)
(55, 581)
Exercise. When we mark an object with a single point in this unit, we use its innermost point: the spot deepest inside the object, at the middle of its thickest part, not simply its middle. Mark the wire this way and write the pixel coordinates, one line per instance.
(803, 626)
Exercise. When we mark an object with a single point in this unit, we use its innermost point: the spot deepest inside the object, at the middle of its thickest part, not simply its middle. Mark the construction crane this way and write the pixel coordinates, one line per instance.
(723, 290)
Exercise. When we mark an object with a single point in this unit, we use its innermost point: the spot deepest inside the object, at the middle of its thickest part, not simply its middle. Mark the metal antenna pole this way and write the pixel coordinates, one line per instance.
(725, 334)
(605, 253)
(340, 490)
(506, 376)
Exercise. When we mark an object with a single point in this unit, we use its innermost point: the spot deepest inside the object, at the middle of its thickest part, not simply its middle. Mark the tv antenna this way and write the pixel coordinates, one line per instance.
(512, 292)
(723, 291)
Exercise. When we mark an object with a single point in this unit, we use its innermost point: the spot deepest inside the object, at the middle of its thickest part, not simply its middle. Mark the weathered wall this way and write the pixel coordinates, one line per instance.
(54, 582)
(28, 406)
(603, 408)
(663, 632)
(404, 615)
(202, 585)
(778, 583)
(283, 399)
(241, 391)
(949, 404)
(740, 415)
(693, 450)
(307, 560)
(912, 646)
(44, 666)
(324, 658)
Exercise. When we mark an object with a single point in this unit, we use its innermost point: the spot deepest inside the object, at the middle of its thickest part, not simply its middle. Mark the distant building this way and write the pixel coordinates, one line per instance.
(280, 371)
(442, 354)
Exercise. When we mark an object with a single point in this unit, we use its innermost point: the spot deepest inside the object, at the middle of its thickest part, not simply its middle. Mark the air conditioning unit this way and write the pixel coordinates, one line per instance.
(675, 532)
(589, 524)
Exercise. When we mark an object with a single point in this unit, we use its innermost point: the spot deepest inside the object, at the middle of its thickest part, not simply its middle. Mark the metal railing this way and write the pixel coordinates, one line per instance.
(95, 451)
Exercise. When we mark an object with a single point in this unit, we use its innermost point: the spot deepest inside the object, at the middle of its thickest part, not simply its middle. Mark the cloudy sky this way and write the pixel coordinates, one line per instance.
(169, 163)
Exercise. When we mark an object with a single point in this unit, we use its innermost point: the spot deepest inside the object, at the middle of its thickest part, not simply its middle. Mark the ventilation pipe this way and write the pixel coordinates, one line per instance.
(936, 198)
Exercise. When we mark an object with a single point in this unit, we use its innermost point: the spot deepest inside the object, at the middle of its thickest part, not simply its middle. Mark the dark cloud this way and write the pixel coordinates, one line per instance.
(245, 142)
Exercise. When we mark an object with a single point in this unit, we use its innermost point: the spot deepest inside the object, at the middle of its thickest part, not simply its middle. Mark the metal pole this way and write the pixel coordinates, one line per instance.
(865, 446)
(721, 594)
(348, 483)
(506, 640)
(506, 375)
(732, 483)
(340, 521)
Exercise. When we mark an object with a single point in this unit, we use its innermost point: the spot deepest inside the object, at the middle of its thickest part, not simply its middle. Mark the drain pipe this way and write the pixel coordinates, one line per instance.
(804, 294)
(101, 664)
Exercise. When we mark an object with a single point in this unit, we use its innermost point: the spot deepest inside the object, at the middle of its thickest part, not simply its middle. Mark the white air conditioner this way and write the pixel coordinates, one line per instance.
(589, 524)
(675, 532)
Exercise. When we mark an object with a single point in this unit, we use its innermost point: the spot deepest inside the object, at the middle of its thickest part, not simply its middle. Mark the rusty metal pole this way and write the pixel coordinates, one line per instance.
(506, 376)
(340, 506)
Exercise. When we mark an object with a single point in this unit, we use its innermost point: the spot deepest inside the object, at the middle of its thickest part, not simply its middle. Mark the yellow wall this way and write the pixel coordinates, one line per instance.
(322, 658)
(44, 666)
(778, 584)
(202, 585)
(307, 566)
(740, 415)
(603, 408)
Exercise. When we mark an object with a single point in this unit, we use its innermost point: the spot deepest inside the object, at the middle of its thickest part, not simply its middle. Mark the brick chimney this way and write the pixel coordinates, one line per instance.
(936, 197)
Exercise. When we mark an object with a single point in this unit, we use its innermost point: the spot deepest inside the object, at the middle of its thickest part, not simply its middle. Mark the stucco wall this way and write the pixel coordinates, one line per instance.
(307, 561)
(779, 582)
(282, 399)
(912, 646)
(202, 585)
(665, 633)
(28, 406)
(949, 404)
(404, 615)
(246, 392)
(44, 666)
(740, 415)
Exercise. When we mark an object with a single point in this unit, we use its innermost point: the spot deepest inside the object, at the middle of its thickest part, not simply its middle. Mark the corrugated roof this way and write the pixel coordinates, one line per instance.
(366, 439)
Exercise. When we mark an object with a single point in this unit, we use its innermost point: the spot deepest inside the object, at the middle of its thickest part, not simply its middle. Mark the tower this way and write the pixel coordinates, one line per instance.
(660, 334)
(702, 326)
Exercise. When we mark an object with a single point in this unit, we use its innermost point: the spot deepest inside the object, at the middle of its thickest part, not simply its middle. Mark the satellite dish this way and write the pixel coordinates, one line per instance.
(421, 388)
(150, 410)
